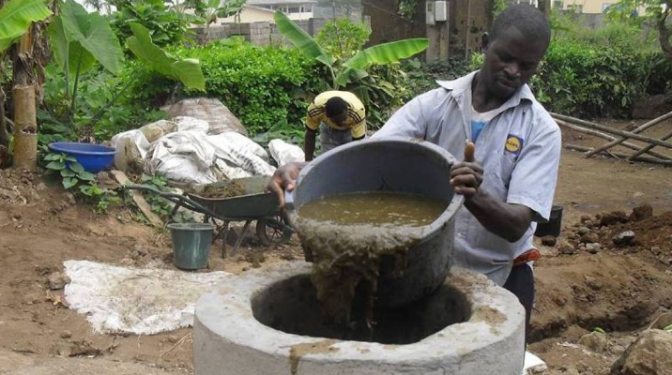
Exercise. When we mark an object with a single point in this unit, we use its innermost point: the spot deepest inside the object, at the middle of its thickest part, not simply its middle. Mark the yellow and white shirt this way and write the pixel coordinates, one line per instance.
(356, 121)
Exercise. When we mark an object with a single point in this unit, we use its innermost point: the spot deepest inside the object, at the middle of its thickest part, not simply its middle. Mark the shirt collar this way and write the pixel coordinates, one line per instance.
(463, 84)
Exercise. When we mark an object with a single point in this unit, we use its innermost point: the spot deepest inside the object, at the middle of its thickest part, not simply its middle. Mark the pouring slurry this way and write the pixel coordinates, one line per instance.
(377, 239)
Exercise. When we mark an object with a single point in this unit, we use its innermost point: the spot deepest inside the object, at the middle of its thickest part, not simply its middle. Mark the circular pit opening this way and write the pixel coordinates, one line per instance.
(291, 306)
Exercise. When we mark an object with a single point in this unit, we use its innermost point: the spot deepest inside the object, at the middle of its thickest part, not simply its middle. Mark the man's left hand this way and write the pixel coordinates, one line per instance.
(467, 176)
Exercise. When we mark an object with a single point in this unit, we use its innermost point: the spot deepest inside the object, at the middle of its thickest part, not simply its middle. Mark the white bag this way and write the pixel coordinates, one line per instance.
(284, 152)
(185, 156)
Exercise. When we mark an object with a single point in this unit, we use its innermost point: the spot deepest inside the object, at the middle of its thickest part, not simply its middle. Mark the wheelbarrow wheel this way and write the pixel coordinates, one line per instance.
(270, 233)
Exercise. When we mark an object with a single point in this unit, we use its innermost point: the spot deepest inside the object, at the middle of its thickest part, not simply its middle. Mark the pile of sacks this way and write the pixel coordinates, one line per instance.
(202, 143)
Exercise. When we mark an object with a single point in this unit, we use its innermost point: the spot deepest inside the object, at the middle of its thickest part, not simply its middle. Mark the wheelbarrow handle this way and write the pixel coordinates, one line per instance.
(175, 198)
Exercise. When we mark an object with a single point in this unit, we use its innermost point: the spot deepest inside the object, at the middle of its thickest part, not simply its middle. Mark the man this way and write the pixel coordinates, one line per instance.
(509, 183)
(341, 118)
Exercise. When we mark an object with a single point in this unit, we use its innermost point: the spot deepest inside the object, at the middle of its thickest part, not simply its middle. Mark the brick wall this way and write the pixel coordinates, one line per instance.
(260, 33)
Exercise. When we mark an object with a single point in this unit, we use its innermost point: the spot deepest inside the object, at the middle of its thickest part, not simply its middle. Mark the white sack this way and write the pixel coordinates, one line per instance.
(283, 152)
(185, 156)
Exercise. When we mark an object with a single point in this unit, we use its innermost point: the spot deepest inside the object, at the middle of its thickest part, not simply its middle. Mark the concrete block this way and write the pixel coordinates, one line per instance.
(230, 338)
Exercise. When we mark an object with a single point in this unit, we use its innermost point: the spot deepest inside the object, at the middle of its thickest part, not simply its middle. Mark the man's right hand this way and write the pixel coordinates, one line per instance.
(284, 179)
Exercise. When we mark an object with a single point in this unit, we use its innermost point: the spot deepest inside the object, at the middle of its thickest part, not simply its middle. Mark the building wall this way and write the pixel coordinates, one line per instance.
(260, 33)
(388, 26)
(249, 15)
(584, 6)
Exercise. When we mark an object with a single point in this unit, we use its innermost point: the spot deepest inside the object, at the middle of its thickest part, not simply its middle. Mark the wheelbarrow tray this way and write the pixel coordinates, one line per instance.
(256, 203)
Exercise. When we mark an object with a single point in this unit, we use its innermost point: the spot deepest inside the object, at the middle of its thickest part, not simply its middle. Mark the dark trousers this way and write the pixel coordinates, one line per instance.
(521, 283)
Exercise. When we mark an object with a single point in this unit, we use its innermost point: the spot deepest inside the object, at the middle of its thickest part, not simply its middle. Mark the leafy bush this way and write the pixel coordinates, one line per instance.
(343, 38)
(423, 77)
(597, 73)
(264, 87)
(96, 89)
(166, 27)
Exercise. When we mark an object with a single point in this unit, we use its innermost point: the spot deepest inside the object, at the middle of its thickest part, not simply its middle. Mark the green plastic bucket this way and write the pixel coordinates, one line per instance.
(191, 244)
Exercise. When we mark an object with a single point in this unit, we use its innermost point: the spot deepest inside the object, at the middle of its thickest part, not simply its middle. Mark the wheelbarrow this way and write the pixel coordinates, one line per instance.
(254, 205)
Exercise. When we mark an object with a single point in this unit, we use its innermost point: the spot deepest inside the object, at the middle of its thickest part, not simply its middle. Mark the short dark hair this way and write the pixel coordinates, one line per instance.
(335, 106)
(527, 19)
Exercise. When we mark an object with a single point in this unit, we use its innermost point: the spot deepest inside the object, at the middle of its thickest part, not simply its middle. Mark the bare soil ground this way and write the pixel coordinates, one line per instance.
(618, 289)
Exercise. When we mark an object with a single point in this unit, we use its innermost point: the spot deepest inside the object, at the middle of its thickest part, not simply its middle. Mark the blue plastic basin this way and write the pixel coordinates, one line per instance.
(94, 158)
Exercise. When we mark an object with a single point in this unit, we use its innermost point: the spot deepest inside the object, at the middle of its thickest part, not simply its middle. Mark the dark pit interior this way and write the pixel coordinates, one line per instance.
(291, 306)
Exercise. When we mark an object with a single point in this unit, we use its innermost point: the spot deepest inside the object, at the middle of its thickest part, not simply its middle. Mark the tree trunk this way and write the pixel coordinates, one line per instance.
(665, 31)
(25, 119)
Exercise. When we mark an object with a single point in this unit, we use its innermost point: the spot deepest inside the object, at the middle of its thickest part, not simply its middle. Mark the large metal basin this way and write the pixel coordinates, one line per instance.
(398, 165)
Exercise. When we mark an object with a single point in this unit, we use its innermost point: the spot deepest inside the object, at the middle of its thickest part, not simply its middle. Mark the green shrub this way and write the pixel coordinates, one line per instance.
(343, 38)
(268, 88)
(261, 86)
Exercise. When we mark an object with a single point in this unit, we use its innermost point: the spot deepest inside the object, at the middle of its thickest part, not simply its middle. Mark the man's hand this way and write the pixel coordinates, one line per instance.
(466, 177)
(283, 179)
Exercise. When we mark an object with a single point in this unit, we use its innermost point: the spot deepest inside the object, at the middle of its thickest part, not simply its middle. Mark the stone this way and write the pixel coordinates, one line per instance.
(590, 238)
(69, 199)
(617, 349)
(219, 117)
(566, 248)
(648, 355)
(549, 240)
(663, 321)
(614, 217)
(57, 281)
(589, 223)
(593, 283)
(583, 230)
(656, 250)
(585, 218)
(66, 334)
(595, 341)
(173, 338)
(650, 107)
(41, 187)
(642, 212)
(624, 238)
(593, 248)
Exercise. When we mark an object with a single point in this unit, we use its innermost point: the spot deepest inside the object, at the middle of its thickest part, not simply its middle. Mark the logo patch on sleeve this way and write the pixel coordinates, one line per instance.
(513, 144)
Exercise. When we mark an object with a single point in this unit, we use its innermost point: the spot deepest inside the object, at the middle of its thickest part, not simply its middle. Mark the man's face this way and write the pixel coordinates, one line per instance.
(340, 119)
(510, 61)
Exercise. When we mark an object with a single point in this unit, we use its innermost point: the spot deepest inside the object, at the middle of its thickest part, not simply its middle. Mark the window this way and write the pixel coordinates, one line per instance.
(294, 9)
(558, 4)
(576, 8)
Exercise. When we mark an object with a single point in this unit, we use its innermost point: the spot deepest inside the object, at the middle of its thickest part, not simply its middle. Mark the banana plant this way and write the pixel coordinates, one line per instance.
(187, 71)
(353, 69)
(81, 39)
(16, 16)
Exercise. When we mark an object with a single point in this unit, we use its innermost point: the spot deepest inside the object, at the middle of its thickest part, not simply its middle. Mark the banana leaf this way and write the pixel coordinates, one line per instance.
(16, 17)
(187, 71)
(387, 53)
(93, 33)
(299, 38)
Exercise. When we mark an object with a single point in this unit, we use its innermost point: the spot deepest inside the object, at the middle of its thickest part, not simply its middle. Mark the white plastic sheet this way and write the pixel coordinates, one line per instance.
(134, 300)
(283, 152)
(184, 156)
(240, 155)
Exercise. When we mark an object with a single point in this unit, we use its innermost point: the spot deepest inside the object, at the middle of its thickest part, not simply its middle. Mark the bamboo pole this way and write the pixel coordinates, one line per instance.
(637, 131)
(25, 131)
(606, 129)
(610, 138)
(620, 155)
(649, 147)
